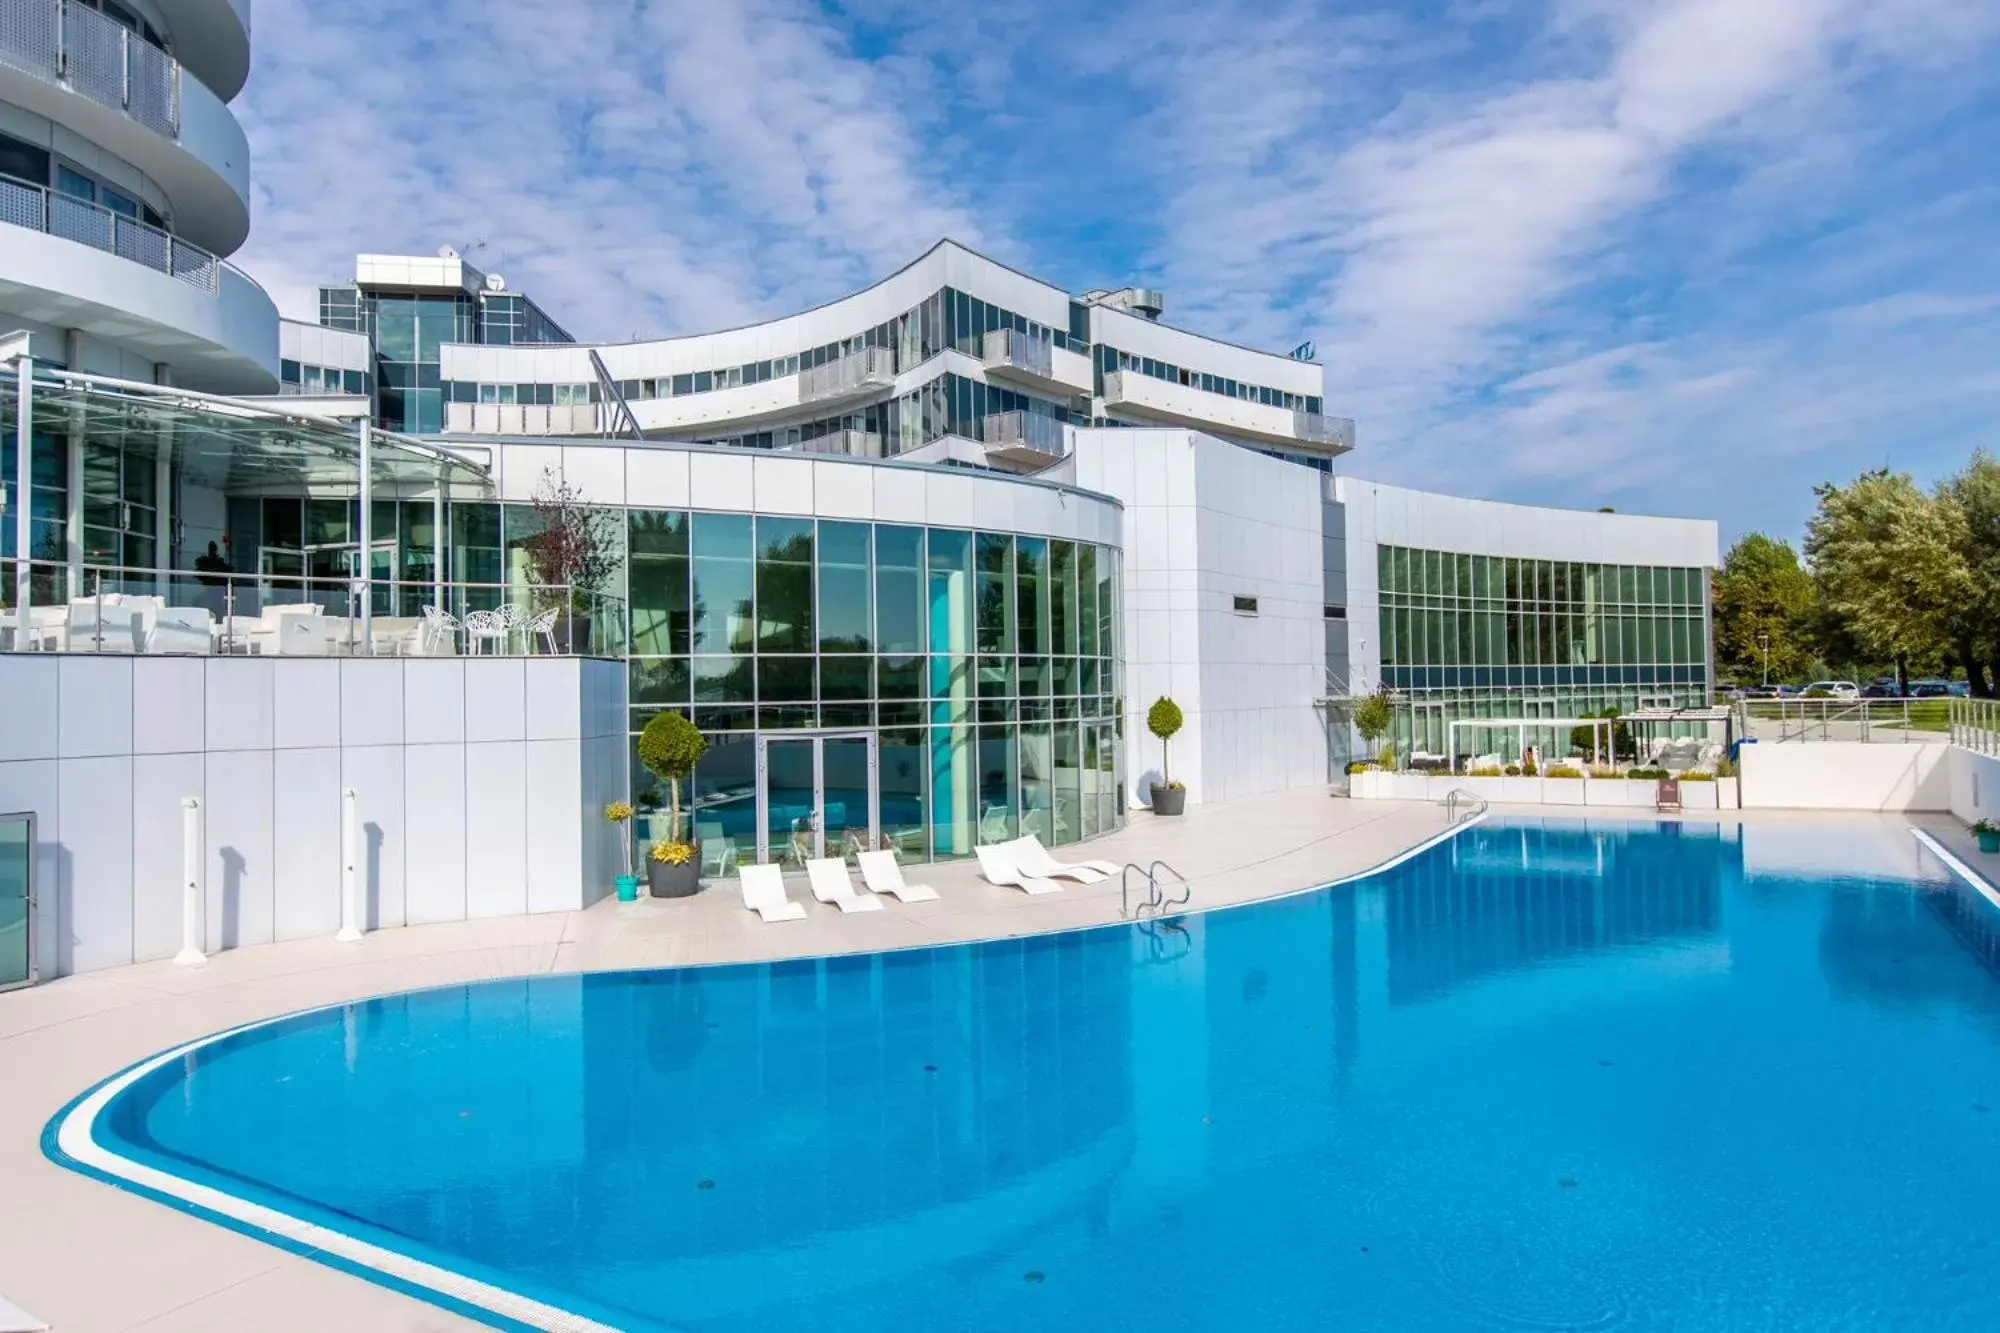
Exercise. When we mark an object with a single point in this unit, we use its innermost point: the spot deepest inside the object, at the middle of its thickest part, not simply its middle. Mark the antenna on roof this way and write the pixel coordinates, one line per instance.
(1305, 351)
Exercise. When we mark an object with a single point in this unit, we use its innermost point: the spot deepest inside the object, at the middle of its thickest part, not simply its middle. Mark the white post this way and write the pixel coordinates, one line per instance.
(351, 913)
(194, 926)
(24, 512)
(366, 531)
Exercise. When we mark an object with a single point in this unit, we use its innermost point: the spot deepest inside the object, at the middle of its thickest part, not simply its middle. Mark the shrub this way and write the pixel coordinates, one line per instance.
(1385, 759)
(1485, 771)
(1528, 769)
(1359, 767)
(1986, 826)
(1603, 770)
(1725, 768)
(1646, 774)
(1565, 771)
(670, 747)
(1697, 775)
(1513, 770)
(675, 853)
(1164, 720)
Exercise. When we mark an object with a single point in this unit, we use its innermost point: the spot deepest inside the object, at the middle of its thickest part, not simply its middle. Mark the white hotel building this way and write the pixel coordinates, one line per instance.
(916, 561)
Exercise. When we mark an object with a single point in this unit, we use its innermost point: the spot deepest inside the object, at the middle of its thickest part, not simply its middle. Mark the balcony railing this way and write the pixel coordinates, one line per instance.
(1026, 437)
(93, 56)
(39, 208)
(849, 443)
(1314, 428)
(1975, 724)
(1010, 349)
(868, 370)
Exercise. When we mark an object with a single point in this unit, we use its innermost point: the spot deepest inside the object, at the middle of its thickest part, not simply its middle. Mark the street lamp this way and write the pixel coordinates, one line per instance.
(1765, 640)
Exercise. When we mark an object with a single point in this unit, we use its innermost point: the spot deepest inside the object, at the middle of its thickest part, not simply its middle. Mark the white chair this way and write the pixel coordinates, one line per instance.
(764, 893)
(102, 625)
(830, 884)
(516, 621)
(438, 633)
(1034, 859)
(289, 632)
(998, 867)
(996, 824)
(881, 874)
(482, 627)
(182, 629)
(543, 625)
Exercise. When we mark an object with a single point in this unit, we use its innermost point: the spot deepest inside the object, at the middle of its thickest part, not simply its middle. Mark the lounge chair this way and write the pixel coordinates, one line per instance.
(881, 874)
(997, 865)
(764, 893)
(831, 884)
(1032, 857)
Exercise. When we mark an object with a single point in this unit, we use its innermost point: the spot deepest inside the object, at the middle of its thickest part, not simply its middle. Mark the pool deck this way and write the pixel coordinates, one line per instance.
(89, 1258)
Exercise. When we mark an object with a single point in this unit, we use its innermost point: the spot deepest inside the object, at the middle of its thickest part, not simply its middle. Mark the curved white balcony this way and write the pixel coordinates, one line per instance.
(1135, 397)
(212, 38)
(1013, 357)
(93, 77)
(74, 265)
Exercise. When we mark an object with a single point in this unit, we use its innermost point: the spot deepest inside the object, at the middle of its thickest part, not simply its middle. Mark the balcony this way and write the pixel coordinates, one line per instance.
(1015, 358)
(1023, 440)
(532, 419)
(847, 443)
(98, 79)
(40, 209)
(1131, 396)
(862, 374)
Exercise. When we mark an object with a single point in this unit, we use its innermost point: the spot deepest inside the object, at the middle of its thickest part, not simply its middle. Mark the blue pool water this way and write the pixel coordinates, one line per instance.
(1621, 1076)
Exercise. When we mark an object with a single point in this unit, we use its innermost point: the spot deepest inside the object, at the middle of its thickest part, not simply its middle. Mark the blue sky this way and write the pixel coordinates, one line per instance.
(1676, 256)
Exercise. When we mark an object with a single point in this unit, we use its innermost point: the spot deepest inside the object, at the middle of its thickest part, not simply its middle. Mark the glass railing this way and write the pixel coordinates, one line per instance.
(114, 609)
(38, 208)
(94, 56)
(1024, 431)
(1011, 347)
(864, 371)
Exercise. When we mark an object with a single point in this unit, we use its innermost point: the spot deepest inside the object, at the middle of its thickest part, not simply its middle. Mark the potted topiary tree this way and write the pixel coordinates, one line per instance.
(1988, 834)
(1164, 720)
(670, 747)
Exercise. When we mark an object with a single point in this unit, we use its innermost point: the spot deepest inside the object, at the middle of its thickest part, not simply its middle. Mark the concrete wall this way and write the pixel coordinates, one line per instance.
(1975, 785)
(1204, 523)
(480, 786)
(1846, 775)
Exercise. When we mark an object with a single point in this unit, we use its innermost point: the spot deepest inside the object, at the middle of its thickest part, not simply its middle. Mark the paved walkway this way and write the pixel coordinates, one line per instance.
(89, 1258)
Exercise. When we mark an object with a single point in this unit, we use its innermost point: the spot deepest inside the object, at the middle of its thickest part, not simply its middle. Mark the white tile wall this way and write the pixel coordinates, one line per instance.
(305, 704)
(371, 702)
(239, 865)
(159, 781)
(656, 478)
(434, 700)
(94, 701)
(168, 707)
(435, 802)
(496, 822)
(93, 798)
(720, 481)
(306, 813)
(783, 485)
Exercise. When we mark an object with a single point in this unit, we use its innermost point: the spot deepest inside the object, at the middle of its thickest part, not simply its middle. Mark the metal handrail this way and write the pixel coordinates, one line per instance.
(1895, 720)
(1974, 724)
(1156, 897)
(39, 208)
(1459, 796)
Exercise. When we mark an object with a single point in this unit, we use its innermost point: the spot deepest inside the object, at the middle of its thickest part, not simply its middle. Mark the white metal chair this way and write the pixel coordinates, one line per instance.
(763, 888)
(483, 627)
(831, 884)
(881, 874)
(545, 626)
(997, 865)
(440, 627)
(515, 618)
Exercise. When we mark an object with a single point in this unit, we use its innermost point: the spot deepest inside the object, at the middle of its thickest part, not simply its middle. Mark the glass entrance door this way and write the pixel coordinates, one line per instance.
(17, 900)
(817, 795)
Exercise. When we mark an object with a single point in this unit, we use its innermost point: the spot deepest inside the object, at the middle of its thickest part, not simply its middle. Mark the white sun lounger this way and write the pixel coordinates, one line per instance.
(831, 884)
(997, 865)
(1034, 859)
(764, 893)
(881, 874)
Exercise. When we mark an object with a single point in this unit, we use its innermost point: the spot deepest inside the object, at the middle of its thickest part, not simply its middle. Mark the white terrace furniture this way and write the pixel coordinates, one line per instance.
(182, 629)
(881, 874)
(484, 627)
(997, 865)
(764, 893)
(1032, 858)
(831, 884)
(543, 625)
(437, 636)
(718, 849)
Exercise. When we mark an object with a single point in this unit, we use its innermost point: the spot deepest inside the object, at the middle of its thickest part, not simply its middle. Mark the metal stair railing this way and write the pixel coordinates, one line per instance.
(1460, 796)
(1156, 899)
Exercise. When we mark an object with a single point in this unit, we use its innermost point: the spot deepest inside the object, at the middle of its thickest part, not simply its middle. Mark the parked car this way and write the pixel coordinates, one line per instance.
(1762, 691)
(1881, 689)
(1834, 689)
(1930, 689)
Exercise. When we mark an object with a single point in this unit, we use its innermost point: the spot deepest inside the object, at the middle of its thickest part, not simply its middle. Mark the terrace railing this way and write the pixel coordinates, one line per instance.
(38, 208)
(1975, 725)
(95, 56)
(1890, 721)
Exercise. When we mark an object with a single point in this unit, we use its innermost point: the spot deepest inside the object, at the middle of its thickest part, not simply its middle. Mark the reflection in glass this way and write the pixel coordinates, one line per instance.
(902, 762)
(659, 581)
(724, 594)
(952, 792)
(899, 590)
(784, 585)
(997, 784)
(791, 820)
(844, 588)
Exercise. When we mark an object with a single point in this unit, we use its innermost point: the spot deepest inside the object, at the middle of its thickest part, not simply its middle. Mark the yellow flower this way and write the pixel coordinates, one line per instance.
(673, 853)
(618, 812)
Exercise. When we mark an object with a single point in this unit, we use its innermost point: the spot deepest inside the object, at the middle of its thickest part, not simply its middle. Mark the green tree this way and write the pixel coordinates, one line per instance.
(1164, 720)
(671, 747)
(1374, 715)
(1888, 562)
(1764, 598)
(1974, 629)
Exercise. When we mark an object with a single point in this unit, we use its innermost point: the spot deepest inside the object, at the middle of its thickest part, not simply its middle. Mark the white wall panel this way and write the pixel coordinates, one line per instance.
(306, 810)
(718, 480)
(434, 700)
(554, 700)
(94, 705)
(95, 828)
(496, 820)
(159, 782)
(305, 703)
(553, 785)
(371, 701)
(434, 866)
(782, 485)
(495, 699)
(238, 705)
(169, 706)
(376, 774)
(240, 864)
(29, 727)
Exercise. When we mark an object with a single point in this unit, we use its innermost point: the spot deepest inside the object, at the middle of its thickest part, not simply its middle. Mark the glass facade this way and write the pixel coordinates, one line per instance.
(1467, 636)
(984, 665)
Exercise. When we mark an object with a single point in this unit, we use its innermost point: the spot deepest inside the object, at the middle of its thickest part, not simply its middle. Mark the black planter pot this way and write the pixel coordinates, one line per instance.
(1169, 800)
(572, 634)
(674, 881)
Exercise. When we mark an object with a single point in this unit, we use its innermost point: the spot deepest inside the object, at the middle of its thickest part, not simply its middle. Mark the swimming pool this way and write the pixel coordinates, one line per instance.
(1557, 1076)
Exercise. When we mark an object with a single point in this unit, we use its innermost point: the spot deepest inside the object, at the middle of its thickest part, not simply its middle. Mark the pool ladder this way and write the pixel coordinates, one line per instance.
(1156, 900)
(1459, 798)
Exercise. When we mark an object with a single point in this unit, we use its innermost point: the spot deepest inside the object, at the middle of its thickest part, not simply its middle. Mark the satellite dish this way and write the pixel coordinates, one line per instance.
(495, 283)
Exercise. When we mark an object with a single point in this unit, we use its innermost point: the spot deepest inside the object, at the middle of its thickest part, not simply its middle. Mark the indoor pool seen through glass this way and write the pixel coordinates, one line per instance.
(1561, 1077)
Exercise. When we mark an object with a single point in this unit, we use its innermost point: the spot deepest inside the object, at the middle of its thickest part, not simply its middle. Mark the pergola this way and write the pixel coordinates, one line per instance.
(1520, 726)
(1706, 717)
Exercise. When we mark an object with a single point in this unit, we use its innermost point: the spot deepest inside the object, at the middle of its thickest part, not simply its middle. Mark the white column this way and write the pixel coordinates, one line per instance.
(438, 543)
(351, 910)
(367, 533)
(163, 514)
(23, 501)
(194, 927)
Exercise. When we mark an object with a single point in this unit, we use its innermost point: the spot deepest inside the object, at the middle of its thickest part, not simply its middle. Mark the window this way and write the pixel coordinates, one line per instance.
(1245, 606)
(1336, 613)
